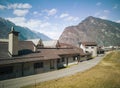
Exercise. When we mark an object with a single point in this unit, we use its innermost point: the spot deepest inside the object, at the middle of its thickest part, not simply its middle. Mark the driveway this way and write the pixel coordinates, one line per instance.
(33, 79)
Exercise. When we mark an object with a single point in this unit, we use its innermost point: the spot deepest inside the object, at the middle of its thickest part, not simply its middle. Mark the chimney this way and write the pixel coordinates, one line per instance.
(79, 43)
(13, 42)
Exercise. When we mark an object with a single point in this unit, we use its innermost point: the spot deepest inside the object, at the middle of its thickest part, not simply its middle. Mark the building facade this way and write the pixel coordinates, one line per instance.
(23, 58)
(89, 47)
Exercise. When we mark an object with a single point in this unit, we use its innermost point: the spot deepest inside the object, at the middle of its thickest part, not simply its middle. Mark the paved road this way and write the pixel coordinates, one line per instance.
(80, 67)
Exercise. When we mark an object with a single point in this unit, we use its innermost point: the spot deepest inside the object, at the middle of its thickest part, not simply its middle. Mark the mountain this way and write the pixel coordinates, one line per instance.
(103, 32)
(25, 33)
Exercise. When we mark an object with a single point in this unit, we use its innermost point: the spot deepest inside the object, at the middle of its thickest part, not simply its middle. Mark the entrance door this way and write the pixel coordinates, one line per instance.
(51, 64)
(67, 61)
(58, 63)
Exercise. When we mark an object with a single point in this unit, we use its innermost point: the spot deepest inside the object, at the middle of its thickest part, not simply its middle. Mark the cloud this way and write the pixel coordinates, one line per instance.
(19, 6)
(103, 17)
(50, 12)
(106, 11)
(18, 20)
(19, 9)
(115, 6)
(98, 3)
(118, 21)
(2, 7)
(102, 14)
(71, 18)
(35, 12)
(16, 6)
(97, 13)
(51, 30)
(19, 12)
(68, 17)
(64, 15)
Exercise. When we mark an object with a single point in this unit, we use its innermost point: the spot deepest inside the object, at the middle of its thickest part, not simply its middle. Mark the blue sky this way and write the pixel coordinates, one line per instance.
(52, 16)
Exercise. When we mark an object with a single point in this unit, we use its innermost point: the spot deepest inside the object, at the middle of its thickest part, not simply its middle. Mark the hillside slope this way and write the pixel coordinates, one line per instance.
(103, 32)
(25, 33)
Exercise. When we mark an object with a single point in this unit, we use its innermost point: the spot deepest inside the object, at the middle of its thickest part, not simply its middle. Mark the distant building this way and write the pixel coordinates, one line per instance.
(89, 47)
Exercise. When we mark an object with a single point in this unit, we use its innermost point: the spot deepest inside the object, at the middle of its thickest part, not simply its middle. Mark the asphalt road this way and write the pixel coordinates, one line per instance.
(33, 79)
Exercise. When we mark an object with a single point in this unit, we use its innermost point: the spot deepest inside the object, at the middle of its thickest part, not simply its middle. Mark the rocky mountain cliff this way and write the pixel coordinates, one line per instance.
(25, 33)
(103, 32)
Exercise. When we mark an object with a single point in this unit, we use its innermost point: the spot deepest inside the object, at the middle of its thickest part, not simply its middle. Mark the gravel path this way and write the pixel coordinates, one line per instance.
(33, 79)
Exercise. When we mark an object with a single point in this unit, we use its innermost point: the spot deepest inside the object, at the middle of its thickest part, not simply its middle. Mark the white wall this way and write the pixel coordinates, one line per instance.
(93, 50)
(90, 49)
(13, 44)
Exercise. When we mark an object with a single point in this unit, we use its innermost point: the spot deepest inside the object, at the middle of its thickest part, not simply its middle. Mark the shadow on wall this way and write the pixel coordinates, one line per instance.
(25, 52)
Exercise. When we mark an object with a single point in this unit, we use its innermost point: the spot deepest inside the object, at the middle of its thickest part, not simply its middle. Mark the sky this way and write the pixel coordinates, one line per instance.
(52, 16)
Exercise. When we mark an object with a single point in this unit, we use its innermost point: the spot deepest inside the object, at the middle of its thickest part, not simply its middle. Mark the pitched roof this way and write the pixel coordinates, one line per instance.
(35, 41)
(64, 45)
(4, 50)
(52, 53)
(89, 43)
(42, 54)
(4, 40)
(26, 45)
(23, 46)
(51, 43)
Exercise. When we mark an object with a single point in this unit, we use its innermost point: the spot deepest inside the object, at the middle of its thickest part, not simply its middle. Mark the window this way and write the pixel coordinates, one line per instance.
(86, 51)
(63, 59)
(51, 64)
(58, 60)
(92, 47)
(6, 70)
(74, 58)
(38, 65)
(86, 47)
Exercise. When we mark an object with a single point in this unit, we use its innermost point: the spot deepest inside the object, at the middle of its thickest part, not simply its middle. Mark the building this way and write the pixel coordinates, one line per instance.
(89, 47)
(51, 44)
(37, 42)
(23, 58)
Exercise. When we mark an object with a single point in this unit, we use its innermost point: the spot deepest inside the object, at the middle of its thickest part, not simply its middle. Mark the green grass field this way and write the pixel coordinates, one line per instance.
(105, 75)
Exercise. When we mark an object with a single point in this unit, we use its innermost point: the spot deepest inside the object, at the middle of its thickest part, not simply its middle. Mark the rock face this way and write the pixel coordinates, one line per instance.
(103, 32)
(25, 33)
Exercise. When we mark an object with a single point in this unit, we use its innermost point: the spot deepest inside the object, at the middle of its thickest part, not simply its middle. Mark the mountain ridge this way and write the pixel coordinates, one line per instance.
(104, 32)
(25, 33)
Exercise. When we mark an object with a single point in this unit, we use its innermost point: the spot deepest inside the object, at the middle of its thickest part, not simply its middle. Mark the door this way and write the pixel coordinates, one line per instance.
(51, 64)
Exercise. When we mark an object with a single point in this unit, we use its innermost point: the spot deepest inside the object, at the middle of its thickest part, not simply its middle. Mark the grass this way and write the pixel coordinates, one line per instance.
(105, 75)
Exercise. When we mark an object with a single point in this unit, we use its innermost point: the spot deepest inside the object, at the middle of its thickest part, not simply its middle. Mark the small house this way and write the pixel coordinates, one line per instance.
(89, 47)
